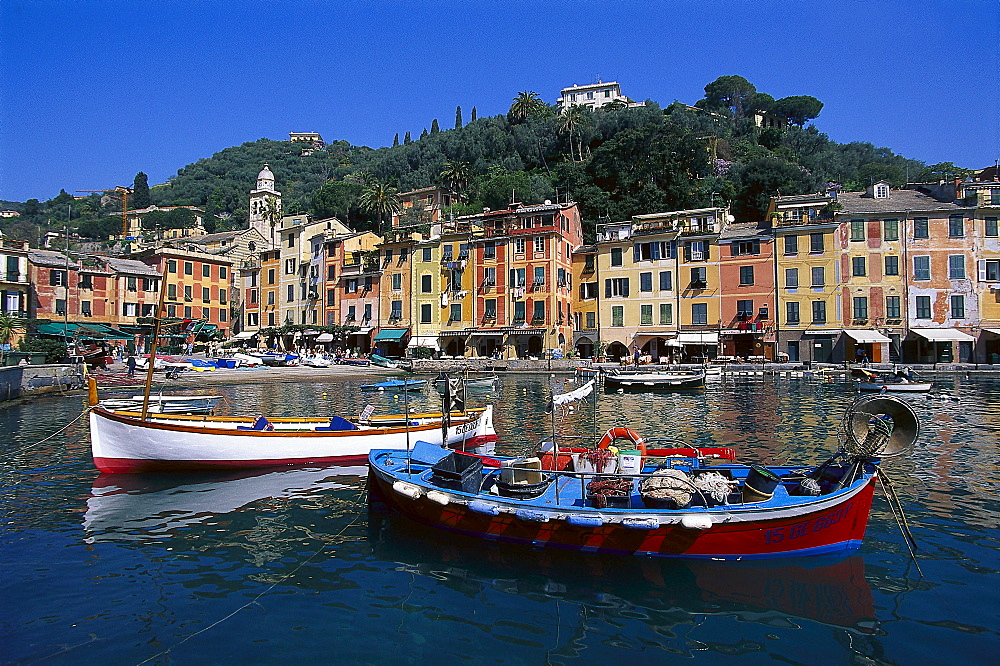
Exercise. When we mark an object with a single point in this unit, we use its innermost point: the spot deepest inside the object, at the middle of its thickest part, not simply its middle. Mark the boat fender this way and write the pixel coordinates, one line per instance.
(484, 508)
(641, 523)
(438, 497)
(696, 522)
(585, 521)
(408, 489)
(532, 516)
(622, 432)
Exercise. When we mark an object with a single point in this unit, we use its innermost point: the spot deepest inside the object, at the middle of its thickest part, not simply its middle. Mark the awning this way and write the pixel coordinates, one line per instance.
(943, 335)
(324, 337)
(423, 341)
(244, 335)
(86, 331)
(524, 331)
(364, 330)
(820, 332)
(994, 331)
(698, 338)
(458, 332)
(391, 334)
(866, 335)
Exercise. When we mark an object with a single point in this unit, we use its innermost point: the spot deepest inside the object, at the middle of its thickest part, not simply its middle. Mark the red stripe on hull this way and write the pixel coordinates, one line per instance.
(839, 527)
(135, 466)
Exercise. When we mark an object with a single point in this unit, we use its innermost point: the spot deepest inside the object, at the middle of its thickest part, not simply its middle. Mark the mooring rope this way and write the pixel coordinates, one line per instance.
(903, 528)
(270, 587)
(85, 411)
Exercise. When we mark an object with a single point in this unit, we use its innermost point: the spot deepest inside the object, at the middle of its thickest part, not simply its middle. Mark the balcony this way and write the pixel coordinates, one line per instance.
(859, 322)
(790, 221)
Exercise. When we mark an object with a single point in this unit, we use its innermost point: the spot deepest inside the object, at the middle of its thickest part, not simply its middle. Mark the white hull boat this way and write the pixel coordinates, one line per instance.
(165, 404)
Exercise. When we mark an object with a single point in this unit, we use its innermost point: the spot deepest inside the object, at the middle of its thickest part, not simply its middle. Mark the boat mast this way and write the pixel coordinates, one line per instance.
(151, 365)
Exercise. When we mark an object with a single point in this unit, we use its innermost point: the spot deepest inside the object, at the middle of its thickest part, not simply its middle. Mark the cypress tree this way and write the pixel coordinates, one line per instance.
(423, 134)
(395, 140)
(407, 140)
(140, 192)
(435, 128)
(458, 117)
(473, 115)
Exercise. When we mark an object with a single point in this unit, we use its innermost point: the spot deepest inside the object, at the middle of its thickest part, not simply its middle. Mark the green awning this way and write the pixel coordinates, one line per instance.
(82, 331)
(391, 334)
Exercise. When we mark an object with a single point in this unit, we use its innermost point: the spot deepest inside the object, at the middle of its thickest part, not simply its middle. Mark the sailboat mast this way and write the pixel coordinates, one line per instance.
(151, 365)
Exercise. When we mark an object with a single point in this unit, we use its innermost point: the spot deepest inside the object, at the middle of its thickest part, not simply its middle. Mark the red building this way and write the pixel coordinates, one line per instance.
(746, 268)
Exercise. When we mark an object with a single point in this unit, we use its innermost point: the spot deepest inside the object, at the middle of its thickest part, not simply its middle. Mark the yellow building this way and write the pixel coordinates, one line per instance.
(458, 288)
(699, 285)
(586, 332)
(426, 295)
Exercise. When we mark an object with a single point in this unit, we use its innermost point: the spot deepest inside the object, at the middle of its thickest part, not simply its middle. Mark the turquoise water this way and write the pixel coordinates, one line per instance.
(291, 566)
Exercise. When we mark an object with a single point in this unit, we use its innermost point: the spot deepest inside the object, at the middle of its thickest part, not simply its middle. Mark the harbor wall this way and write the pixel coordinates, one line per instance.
(52, 378)
(561, 365)
(10, 383)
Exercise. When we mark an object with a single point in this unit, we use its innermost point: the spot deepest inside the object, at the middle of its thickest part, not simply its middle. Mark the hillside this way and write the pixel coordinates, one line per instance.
(616, 162)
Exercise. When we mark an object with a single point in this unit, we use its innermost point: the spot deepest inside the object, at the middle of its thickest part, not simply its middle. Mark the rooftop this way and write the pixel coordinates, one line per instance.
(898, 201)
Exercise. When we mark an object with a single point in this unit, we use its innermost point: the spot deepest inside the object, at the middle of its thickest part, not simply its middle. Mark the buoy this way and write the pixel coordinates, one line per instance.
(324, 395)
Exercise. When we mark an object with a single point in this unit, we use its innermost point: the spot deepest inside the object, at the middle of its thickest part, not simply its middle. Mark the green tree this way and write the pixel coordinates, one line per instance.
(140, 192)
(380, 200)
(525, 104)
(32, 207)
(798, 109)
(472, 117)
(10, 328)
(435, 128)
(423, 134)
(395, 140)
(730, 92)
(458, 117)
(456, 174)
(574, 119)
(337, 199)
(407, 140)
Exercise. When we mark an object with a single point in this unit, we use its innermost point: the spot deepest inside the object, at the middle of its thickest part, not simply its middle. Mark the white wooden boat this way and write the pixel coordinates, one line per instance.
(165, 404)
(123, 442)
(654, 381)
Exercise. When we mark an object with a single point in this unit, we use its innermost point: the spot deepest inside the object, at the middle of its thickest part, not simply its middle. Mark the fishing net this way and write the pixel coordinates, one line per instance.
(714, 485)
(668, 484)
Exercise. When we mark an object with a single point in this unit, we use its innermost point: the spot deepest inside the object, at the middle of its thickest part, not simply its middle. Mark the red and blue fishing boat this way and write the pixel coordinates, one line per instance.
(673, 502)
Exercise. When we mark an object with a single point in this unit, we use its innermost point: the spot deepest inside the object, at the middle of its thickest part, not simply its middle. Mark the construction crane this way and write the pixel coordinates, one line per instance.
(123, 192)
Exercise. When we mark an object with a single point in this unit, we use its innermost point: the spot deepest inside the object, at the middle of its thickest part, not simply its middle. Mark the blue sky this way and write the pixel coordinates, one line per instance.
(93, 91)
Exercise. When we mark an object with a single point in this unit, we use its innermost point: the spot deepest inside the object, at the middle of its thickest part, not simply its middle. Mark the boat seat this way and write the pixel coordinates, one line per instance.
(260, 424)
(337, 423)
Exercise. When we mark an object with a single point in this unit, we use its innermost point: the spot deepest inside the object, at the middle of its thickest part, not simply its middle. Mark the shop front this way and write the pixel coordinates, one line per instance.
(989, 346)
(488, 343)
(939, 345)
(391, 342)
(655, 346)
(525, 342)
(865, 345)
(698, 347)
(453, 343)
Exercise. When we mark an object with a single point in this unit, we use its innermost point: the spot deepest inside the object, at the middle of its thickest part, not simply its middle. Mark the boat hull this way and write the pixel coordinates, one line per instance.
(896, 387)
(830, 524)
(654, 382)
(126, 444)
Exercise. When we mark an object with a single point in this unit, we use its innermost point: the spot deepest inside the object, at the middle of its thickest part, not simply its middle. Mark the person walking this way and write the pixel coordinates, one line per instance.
(130, 363)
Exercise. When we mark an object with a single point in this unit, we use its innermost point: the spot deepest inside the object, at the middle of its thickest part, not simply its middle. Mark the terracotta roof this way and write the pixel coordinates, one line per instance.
(898, 201)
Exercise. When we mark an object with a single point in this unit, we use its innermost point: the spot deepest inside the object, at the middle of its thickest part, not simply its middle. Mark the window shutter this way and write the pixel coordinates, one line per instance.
(687, 251)
(635, 253)
(656, 250)
(607, 288)
(625, 287)
(707, 249)
(982, 270)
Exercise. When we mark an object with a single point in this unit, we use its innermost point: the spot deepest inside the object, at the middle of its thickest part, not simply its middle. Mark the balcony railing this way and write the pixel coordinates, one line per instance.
(788, 221)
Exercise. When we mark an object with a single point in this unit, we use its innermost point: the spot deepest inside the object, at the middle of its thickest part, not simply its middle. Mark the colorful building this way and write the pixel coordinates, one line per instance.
(14, 281)
(586, 328)
(197, 286)
(746, 269)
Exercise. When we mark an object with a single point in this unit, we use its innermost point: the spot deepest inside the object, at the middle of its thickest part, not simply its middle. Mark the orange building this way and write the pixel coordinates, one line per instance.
(197, 285)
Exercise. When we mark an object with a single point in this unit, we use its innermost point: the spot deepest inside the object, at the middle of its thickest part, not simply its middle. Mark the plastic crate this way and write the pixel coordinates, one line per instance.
(457, 471)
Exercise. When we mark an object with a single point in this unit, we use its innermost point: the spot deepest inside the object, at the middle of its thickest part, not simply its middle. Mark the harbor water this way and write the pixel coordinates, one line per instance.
(292, 566)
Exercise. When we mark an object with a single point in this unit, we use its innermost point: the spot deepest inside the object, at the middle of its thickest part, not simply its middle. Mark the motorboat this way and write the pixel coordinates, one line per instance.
(900, 380)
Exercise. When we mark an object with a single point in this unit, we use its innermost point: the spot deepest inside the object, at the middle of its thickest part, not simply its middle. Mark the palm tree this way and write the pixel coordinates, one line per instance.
(574, 119)
(381, 200)
(526, 103)
(10, 328)
(272, 214)
(456, 174)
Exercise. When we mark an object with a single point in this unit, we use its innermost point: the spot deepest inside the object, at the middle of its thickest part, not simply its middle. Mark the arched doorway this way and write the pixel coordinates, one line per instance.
(617, 351)
(585, 348)
(455, 348)
(535, 345)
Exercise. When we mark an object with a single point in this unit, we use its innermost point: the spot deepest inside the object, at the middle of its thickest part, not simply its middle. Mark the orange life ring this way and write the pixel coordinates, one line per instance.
(621, 432)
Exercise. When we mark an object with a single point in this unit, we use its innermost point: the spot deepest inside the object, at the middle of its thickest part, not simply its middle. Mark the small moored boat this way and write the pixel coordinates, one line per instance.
(396, 385)
(165, 404)
(901, 380)
(654, 381)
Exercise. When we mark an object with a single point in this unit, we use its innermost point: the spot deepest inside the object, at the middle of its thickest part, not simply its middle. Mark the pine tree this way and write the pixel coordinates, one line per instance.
(473, 115)
(407, 140)
(395, 140)
(458, 117)
(435, 128)
(423, 135)
(140, 192)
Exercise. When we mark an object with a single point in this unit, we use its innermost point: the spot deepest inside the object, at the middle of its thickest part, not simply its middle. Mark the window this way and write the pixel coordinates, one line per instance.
(746, 275)
(956, 226)
(617, 315)
(890, 230)
(891, 264)
(270, 297)
(396, 310)
(289, 266)
(252, 319)
(696, 251)
(991, 227)
(85, 308)
(591, 320)
(490, 250)
(368, 283)
(989, 270)
(222, 315)
(352, 312)
(397, 281)
(616, 256)
(172, 292)
(745, 247)
(490, 309)
(331, 297)
(744, 309)
(188, 268)
(819, 312)
(881, 191)
(923, 307)
(666, 281)
(86, 280)
(206, 270)
(791, 312)
(646, 284)
(188, 289)
(539, 244)
(518, 246)
(187, 312)
(425, 284)
(921, 268)
(57, 278)
(958, 306)
(517, 277)
(666, 313)
(652, 251)
(956, 267)
(131, 310)
(463, 251)
(206, 313)
(425, 255)
(172, 266)
(539, 278)
(206, 294)
(270, 276)
(561, 279)
(490, 276)
(858, 266)
(588, 290)
(699, 277)
(818, 278)
(857, 230)
(791, 278)
(699, 314)
(616, 287)
(519, 312)
(816, 244)
(645, 315)
(892, 307)
(270, 319)
(425, 313)
(290, 293)
(538, 315)
(351, 286)
(153, 285)
(456, 312)
(368, 312)
(791, 244)
(291, 240)
(860, 309)
(920, 228)
(131, 284)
